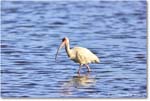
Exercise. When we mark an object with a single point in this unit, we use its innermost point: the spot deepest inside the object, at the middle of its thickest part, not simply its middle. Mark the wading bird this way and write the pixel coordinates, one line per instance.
(79, 55)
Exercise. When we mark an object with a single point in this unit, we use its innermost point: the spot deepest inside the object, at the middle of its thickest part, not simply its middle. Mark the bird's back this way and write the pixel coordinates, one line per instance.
(84, 56)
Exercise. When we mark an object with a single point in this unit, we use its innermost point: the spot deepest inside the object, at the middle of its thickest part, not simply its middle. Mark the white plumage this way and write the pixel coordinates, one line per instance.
(79, 55)
(83, 56)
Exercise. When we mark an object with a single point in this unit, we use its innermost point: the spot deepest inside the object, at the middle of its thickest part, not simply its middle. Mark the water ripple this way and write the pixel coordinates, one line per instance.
(32, 32)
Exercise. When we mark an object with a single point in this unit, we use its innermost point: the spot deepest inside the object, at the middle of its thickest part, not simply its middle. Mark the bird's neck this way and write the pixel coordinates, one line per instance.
(67, 48)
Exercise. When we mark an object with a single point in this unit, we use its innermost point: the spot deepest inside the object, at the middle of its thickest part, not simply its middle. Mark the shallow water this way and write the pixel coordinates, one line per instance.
(114, 31)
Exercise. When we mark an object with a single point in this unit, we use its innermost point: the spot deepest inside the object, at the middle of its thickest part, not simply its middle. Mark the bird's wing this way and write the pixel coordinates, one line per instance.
(85, 56)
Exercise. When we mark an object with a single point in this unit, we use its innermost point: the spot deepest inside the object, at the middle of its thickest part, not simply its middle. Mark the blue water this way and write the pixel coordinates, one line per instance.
(32, 31)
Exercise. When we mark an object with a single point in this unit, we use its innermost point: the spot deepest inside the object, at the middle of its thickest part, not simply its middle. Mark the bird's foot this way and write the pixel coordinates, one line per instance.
(89, 70)
(78, 72)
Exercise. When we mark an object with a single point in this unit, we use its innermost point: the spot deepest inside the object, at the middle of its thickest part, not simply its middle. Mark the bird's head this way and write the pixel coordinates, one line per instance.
(65, 41)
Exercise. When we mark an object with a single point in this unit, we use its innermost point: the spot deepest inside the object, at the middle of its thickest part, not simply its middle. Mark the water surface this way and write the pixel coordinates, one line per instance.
(114, 31)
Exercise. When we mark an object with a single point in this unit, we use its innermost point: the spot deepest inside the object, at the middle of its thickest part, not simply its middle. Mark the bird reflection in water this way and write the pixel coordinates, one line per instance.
(80, 81)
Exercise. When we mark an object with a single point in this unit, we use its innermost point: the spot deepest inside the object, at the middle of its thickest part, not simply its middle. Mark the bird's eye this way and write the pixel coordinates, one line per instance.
(63, 39)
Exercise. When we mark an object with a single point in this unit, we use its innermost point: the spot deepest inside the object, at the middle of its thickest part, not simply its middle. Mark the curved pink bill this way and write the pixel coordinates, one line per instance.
(62, 44)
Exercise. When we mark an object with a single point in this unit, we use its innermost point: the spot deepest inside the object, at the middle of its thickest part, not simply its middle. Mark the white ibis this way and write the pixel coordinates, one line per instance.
(79, 55)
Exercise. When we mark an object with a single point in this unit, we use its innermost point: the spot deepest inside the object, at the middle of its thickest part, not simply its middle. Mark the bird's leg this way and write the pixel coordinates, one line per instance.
(79, 68)
(88, 67)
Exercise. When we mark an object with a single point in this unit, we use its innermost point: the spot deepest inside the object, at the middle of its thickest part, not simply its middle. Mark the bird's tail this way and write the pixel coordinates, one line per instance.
(97, 60)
